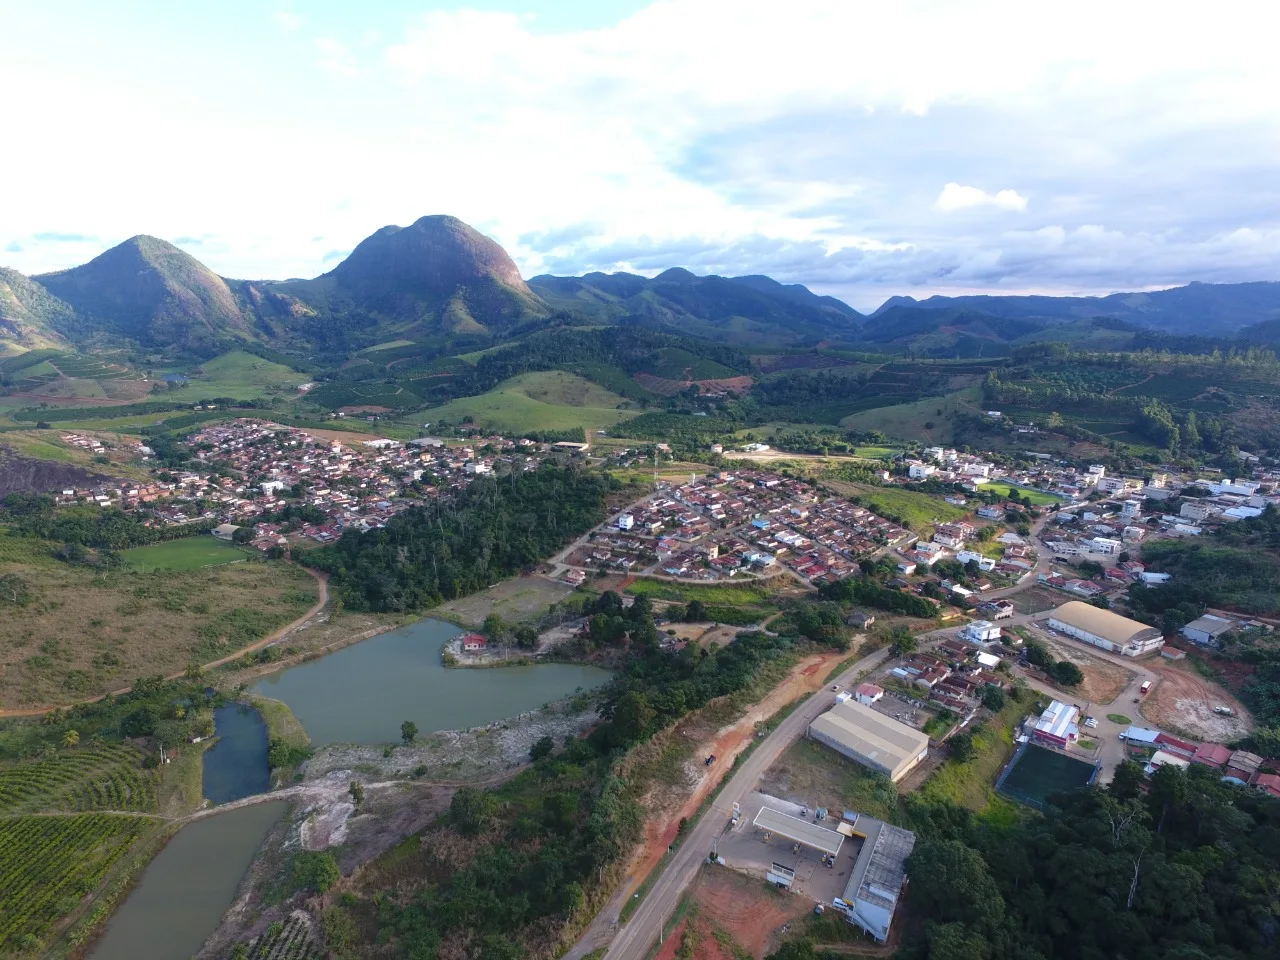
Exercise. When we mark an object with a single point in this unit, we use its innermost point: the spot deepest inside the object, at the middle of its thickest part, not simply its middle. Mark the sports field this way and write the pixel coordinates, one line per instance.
(1040, 773)
(1034, 497)
(190, 553)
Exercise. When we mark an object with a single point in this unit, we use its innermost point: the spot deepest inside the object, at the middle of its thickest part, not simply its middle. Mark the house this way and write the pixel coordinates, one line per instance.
(868, 693)
(981, 633)
(1211, 755)
(860, 620)
(224, 531)
(998, 609)
(1242, 767)
(1195, 510)
(1162, 759)
(1268, 783)
(626, 522)
(473, 643)
(990, 512)
(921, 471)
(1207, 630)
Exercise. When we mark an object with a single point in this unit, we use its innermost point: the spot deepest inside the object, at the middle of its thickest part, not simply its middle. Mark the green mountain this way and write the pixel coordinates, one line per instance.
(436, 276)
(1207, 309)
(150, 291)
(31, 317)
(751, 310)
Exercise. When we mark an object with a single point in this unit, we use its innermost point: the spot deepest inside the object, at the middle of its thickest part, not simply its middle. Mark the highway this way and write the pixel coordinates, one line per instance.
(634, 941)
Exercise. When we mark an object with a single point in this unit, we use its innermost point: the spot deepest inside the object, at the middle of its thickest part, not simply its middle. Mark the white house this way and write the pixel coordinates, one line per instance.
(271, 486)
(868, 693)
(981, 632)
(985, 564)
(626, 522)
(921, 471)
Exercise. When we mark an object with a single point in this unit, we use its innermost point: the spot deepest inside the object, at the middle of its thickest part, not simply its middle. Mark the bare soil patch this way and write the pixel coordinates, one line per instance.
(1183, 701)
(523, 598)
(1103, 680)
(748, 909)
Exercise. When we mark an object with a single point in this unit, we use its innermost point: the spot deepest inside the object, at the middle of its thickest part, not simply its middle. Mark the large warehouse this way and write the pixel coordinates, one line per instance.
(1105, 629)
(871, 738)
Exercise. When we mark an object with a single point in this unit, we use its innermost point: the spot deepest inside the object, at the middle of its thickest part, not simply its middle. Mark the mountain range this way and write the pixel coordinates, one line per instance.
(440, 279)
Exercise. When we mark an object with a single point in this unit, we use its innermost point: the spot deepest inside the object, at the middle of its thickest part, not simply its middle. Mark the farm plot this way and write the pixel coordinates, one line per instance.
(294, 939)
(106, 777)
(51, 863)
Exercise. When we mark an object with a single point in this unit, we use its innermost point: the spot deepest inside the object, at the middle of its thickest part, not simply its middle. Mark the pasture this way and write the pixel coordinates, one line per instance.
(918, 511)
(552, 400)
(918, 420)
(240, 376)
(189, 553)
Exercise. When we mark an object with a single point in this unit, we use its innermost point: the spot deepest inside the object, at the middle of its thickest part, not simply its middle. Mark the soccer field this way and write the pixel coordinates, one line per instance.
(1040, 773)
(190, 553)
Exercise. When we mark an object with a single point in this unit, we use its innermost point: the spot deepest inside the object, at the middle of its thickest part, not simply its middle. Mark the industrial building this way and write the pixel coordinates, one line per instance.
(1102, 628)
(1207, 630)
(1058, 725)
(871, 738)
(878, 876)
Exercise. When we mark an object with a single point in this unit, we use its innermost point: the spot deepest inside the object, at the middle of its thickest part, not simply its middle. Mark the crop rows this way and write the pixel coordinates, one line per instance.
(108, 777)
(50, 864)
(292, 940)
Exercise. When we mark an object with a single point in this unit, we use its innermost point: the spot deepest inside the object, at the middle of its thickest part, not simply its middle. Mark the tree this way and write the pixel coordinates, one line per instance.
(71, 739)
(494, 627)
(541, 748)
(1066, 673)
(993, 699)
(408, 732)
(631, 719)
(357, 792)
(1126, 782)
(902, 642)
(315, 870)
(961, 747)
(472, 809)
(695, 612)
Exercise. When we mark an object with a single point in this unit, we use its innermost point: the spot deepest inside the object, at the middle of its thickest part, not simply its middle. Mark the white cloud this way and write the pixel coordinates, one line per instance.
(287, 20)
(807, 140)
(956, 196)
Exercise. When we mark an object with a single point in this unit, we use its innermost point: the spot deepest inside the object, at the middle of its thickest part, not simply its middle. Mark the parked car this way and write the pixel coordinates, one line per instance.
(1090, 722)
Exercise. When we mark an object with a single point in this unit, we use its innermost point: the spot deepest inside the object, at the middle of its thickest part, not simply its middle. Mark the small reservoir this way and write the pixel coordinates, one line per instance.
(236, 766)
(362, 694)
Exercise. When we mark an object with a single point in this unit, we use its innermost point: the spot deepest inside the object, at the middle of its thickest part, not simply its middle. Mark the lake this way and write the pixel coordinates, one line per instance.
(187, 888)
(362, 693)
(236, 766)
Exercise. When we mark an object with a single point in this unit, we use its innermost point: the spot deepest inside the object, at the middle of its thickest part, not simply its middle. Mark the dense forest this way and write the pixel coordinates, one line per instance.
(452, 547)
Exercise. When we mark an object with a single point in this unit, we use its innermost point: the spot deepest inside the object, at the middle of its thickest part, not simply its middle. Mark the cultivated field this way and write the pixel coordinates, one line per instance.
(100, 777)
(50, 864)
(190, 553)
(79, 632)
(554, 400)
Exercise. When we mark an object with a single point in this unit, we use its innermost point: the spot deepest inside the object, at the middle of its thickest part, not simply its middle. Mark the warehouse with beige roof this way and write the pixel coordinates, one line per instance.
(870, 738)
(1104, 629)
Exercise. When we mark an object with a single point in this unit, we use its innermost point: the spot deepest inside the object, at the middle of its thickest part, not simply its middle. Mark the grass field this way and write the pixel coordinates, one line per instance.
(517, 600)
(1036, 498)
(553, 400)
(909, 421)
(919, 511)
(1040, 773)
(816, 776)
(82, 632)
(744, 594)
(972, 784)
(241, 376)
(190, 553)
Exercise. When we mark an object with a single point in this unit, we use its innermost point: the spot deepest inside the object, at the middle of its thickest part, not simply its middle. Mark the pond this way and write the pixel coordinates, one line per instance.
(186, 889)
(362, 693)
(236, 766)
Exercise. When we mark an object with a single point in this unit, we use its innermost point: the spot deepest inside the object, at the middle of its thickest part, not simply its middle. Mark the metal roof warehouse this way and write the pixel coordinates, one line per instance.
(871, 738)
(1105, 629)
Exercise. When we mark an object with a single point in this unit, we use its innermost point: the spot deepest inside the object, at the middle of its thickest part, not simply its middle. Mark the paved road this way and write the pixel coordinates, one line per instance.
(635, 939)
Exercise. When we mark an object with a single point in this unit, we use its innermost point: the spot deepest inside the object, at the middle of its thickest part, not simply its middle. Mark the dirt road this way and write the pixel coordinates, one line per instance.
(288, 628)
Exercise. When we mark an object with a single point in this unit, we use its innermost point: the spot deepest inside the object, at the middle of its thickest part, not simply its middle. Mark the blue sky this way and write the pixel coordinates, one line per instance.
(864, 149)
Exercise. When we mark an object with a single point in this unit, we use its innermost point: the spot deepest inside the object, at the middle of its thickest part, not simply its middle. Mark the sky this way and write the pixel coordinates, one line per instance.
(865, 149)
